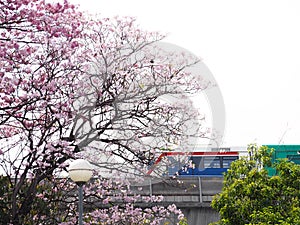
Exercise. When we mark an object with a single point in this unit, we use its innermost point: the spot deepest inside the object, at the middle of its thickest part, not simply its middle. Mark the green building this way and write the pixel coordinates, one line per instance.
(290, 152)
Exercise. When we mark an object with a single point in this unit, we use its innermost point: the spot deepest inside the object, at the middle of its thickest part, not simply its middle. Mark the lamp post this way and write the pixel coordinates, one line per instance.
(80, 171)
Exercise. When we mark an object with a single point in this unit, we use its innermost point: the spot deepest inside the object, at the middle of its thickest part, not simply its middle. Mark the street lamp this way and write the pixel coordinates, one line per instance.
(80, 171)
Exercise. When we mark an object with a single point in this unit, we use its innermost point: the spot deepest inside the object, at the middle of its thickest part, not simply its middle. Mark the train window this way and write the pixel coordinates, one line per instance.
(227, 160)
(161, 168)
(294, 158)
(212, 162)
(197, 161)
(173, 164)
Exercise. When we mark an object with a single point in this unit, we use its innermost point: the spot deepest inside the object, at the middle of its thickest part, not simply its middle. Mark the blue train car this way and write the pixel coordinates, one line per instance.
(193, 163)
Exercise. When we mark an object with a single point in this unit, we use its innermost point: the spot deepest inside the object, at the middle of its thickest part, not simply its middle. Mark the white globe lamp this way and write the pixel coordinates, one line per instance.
(80, 171)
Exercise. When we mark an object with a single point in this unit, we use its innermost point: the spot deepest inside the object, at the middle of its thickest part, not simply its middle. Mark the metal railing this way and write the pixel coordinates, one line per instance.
(183, 189)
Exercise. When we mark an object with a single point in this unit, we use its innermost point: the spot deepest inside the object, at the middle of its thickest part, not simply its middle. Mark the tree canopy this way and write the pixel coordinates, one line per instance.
(251, 196)
(74, 85)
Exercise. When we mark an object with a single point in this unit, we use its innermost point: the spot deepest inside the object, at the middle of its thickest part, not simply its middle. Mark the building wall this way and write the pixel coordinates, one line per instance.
(200, 216)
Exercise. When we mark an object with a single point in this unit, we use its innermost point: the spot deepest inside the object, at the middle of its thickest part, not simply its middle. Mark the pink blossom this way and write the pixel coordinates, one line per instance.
(106, 201)
(40, 195)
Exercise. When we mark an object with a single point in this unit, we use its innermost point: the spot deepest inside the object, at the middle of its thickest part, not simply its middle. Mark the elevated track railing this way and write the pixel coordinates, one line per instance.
(195, 190)
(184, 192)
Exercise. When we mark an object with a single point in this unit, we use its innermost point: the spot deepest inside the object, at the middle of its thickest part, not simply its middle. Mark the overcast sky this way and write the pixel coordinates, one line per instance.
(252, 48)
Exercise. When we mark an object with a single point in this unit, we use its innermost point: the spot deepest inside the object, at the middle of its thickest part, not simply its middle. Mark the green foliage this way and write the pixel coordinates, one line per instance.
(251, 196)
(45, 207)
(183, 221)
(4, 199)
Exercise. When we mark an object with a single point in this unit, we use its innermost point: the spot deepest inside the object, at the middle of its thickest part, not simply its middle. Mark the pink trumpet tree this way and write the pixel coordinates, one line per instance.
(75, 85)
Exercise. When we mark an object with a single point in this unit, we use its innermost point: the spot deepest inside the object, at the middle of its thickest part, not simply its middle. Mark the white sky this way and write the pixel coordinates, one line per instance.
(251, 47)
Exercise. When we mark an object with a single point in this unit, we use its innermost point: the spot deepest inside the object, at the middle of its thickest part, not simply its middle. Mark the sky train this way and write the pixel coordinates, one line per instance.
(212, 162)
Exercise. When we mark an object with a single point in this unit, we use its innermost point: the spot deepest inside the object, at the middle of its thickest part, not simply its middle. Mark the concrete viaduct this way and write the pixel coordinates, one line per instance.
(192, 195)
